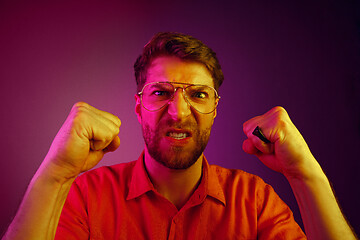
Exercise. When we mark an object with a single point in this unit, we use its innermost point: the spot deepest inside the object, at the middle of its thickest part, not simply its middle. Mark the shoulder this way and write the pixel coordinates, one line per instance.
(243, 187)
(235, 182)
(236, 176)
(116, 174)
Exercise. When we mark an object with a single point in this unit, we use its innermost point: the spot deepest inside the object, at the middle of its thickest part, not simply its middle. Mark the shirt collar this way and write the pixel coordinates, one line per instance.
(211, 182)
(140, 182)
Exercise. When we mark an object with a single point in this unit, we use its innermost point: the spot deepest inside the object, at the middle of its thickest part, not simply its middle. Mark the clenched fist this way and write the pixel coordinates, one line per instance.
(287, 151)
(82, 141)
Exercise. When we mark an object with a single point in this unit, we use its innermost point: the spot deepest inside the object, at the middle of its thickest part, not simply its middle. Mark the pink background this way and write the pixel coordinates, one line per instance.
(303, 55)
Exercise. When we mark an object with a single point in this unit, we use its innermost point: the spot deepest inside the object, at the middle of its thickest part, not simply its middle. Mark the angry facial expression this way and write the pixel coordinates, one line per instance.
(176, 135)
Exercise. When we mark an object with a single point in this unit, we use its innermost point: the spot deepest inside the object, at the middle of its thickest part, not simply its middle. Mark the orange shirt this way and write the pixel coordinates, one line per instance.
(120, 202)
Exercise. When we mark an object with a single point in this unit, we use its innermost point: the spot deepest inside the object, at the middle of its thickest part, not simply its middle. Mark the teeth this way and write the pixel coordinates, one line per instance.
(178, 135)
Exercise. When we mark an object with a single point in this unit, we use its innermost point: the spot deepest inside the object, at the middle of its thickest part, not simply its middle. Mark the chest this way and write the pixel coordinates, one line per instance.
(153, 217)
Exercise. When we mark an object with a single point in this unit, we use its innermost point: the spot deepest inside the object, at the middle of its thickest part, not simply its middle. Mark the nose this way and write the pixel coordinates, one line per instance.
(178, 107)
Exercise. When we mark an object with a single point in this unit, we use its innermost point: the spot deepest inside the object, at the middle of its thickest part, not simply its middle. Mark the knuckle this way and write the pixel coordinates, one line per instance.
(80, 104)
(79, 113)
(118, 121)
(282, 123)
(79, 108)
(103, 136)
(116, 131)
(279, 110)
(108, 138)
(246, 127)
(280, 113)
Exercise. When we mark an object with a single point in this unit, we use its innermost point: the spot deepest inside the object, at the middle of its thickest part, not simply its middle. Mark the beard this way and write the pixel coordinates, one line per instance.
(176, 157)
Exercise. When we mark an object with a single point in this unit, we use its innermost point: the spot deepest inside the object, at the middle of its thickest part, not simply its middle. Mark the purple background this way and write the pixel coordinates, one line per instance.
(303, 55)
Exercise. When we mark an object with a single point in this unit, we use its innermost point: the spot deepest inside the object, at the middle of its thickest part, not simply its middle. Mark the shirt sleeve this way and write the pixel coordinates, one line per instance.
(73, 224)
(275, 219)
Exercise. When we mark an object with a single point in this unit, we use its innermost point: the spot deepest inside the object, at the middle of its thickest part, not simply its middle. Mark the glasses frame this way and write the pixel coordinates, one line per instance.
(184, 94)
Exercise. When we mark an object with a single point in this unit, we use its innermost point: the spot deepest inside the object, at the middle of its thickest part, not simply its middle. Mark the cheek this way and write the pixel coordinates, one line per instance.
(205, 121)
(151, 119)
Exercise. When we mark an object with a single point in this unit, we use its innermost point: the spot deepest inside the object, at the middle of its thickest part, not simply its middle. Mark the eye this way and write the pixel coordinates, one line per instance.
(200, 95)
(160, 93)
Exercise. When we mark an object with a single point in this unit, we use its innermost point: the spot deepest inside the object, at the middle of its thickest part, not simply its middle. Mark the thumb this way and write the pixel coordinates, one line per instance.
(115, 143)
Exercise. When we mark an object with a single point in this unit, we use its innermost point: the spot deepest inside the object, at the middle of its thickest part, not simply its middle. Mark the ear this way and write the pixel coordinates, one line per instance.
(138, 107)
(215, 112)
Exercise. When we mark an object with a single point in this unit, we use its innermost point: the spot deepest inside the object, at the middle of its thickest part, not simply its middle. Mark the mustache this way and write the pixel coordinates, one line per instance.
(186, 125)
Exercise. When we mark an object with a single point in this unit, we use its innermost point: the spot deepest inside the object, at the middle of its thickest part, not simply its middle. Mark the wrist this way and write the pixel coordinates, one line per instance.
(310, 170)
(45, 180)
(53, 174)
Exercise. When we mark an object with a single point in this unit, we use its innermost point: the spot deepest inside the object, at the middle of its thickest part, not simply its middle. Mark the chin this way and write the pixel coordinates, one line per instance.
(177, 158)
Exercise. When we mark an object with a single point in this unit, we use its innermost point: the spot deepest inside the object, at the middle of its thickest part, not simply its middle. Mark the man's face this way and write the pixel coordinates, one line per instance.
(177, 134)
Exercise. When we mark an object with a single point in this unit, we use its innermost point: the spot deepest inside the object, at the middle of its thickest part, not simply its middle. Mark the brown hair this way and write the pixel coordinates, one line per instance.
(179, 45)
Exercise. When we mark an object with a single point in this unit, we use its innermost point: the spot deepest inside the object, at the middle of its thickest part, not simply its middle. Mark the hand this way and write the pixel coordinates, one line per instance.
(82, 141)
(287, 151)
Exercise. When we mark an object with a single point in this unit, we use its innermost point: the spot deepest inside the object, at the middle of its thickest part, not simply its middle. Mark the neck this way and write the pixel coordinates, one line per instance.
(176, 185)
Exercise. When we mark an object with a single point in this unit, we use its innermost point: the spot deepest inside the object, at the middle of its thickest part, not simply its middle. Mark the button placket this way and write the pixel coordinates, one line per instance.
(173, 227)
(176, 231)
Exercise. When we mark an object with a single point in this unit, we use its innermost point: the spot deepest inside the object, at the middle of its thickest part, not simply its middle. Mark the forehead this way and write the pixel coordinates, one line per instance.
(174, 69)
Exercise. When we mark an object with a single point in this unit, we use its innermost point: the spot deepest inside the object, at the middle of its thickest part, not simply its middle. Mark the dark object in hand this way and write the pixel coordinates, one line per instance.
(257, 132)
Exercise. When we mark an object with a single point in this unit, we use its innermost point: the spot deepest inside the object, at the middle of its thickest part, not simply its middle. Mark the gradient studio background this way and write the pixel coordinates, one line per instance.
(303, 55)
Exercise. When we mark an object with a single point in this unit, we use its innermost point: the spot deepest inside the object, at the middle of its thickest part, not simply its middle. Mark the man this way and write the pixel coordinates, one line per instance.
(171, 192)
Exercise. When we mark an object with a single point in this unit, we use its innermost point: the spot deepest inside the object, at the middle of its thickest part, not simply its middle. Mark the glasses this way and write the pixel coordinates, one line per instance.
(156, 95)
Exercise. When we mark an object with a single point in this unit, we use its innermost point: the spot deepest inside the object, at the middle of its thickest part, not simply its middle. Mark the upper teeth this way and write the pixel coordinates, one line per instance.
(178, 135)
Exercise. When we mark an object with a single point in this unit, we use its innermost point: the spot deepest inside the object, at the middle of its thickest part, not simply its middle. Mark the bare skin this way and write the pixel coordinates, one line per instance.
(89, 133)
(82, 141)
(176, 185)
(289, 154)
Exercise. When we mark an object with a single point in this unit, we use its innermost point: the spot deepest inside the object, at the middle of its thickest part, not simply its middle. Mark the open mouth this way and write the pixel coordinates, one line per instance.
(178, 136)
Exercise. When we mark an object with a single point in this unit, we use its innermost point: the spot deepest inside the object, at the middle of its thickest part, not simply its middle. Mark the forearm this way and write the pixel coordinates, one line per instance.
(39, 212)
(319, 209)
(86, 135)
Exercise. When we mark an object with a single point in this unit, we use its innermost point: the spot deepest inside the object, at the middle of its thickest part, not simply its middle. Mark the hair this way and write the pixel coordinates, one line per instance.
(179, 45)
